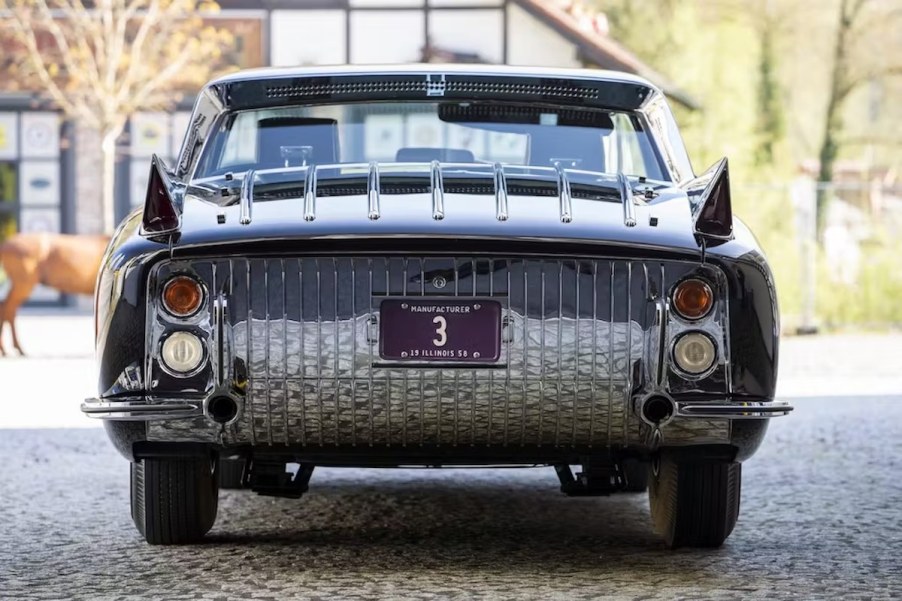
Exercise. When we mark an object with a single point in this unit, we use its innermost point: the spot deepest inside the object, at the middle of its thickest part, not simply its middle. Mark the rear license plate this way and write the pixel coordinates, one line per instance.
(440, 330)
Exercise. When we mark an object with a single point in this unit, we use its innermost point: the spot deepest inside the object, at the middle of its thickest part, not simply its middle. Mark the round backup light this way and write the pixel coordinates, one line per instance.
(182, 352)
(694, 353)
(693, 299)
(182, 296)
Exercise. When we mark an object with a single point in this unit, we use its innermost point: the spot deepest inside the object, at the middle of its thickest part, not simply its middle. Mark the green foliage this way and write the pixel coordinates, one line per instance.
(875, 300)
(770, 106)
(761, 70)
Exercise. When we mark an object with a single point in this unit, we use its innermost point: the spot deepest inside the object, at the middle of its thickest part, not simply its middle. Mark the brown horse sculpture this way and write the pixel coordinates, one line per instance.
(64, 262)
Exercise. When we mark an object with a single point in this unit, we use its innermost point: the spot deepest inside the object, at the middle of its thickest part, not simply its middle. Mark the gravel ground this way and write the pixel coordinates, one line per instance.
(820, 520)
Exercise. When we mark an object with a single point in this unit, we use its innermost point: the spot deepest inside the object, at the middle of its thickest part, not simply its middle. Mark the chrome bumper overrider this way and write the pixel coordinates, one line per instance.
(734, 410)
(141, 409)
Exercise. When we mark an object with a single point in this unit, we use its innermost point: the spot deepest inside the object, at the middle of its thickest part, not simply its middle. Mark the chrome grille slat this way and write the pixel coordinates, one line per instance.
(266, 330)
(369, 388)
(284, 286)
(336, 352)
(250, 358)
(628, 293)
(319, 349)
(568, 367)
(576, 336)
(560, 356)
(491, 402)
(507, 379)
(354, 334)
(302, 422)
(422, 416)
(542, 379)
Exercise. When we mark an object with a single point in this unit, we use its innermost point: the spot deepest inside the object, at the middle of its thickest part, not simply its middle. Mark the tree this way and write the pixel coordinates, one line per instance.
(102, 63)
(854, 63)
(770, 127)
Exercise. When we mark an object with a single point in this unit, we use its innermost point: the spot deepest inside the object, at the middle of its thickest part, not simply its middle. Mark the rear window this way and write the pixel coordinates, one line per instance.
(592, 140)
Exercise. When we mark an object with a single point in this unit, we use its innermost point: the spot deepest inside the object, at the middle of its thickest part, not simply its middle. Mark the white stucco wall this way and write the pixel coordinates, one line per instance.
(309, 37)
(532, 43)
(475, 31)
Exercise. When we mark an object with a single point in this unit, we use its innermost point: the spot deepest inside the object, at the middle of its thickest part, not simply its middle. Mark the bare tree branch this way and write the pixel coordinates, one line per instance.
(103, 62)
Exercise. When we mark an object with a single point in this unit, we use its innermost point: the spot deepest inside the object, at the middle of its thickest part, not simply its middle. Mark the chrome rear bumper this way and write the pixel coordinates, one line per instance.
(141, 409)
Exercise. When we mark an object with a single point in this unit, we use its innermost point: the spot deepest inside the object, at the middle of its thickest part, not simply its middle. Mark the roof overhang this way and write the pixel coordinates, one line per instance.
(572, 87)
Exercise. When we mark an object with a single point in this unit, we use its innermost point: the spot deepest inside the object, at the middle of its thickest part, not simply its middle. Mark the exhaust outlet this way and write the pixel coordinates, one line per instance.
(221, 409)
(657, 410)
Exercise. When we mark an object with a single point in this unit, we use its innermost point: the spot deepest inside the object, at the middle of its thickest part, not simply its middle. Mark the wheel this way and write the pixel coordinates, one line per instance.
(174, 501)
(694, 503)
(636, 475)
(231, 472)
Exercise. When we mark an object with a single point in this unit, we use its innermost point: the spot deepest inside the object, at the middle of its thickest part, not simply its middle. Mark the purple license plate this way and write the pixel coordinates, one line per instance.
(440, 330)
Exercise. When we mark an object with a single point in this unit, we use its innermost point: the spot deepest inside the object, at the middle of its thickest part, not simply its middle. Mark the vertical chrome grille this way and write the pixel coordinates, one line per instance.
(579, 336)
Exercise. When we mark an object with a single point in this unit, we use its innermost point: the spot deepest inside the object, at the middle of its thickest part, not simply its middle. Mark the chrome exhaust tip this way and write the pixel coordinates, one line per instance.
(221, 409)
(656, 410)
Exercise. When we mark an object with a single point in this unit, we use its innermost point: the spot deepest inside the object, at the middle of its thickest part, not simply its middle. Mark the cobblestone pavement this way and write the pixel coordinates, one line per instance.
(820, 520)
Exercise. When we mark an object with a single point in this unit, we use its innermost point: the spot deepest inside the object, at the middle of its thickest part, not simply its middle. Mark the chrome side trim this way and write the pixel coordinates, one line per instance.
(626, 197)
(501, 212)
(246, 198)
(310, 194)
(142, 410)
(372, 184)
(734, 410)
(563, 190)
(438, 191)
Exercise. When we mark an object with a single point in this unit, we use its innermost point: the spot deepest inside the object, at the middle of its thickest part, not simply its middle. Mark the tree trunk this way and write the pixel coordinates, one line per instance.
(839, 89)
(108, 178)
(770, 106)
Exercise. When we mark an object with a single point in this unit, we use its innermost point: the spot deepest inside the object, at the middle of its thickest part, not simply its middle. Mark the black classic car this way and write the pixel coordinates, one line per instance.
(435, 266)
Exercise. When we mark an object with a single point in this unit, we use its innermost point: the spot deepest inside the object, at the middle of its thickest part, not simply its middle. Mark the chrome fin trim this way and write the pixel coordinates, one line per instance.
(310, 194)
(438, 191)
(501, 212)
(246, 198)
(626, 197)
(563, 190)
(373, 191)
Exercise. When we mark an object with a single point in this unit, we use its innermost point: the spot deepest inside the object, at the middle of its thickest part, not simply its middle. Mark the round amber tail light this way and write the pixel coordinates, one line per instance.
(693, 299)
(182, 296)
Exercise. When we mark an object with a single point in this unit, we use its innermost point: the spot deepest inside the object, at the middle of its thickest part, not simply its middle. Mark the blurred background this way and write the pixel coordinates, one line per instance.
(803, 96)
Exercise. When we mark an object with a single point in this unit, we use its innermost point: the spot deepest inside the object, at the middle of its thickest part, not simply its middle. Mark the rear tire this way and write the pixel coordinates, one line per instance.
(695, 503)
(174, 501)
